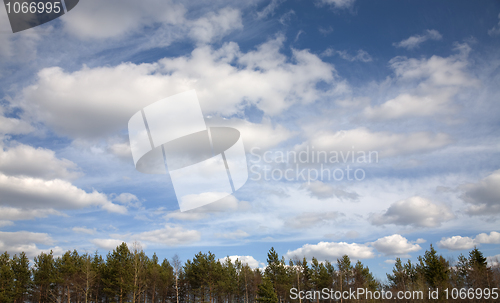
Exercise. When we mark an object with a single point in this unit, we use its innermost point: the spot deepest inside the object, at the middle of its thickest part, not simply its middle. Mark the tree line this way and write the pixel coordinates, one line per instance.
(129, 275)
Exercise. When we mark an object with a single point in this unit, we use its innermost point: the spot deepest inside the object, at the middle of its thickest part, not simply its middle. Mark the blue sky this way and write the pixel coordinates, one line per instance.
(415, 82)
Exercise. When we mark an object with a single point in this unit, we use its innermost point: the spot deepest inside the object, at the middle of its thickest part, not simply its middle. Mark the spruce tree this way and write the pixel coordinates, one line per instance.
(266, 292)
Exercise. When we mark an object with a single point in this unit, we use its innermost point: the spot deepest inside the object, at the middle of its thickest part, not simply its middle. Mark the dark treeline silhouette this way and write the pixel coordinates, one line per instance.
(128, 275)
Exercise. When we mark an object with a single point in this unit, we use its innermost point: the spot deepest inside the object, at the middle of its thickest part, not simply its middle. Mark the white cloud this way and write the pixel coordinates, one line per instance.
(269, 9)
(12, 213)
(121, 150)
(433, 83)
(238, 234)
(19, 47)
(493, 261)
(262, 136)
(415, 211)
(170, 236)
(420, 241)
(245, 260)
(6, 223)
(457, 243)
(484, 196)
(96, 19)
(128, 199)
(167, 20)
(361, 55)
(332, 251)
(227, 204)
(29, 192)
(24, 160)
(492, 238)
(322, 190)
(385, 144)
(12, 126)
(415, 41)
(395, 245)
(109, 96)
(24, 241)
(107, 244)
(287, 17)
(338, 3)
(214, 26)
(309, 219)
(495, 30)
(84, 230)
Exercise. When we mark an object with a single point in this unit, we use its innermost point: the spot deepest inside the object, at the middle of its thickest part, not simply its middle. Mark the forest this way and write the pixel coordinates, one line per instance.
(129, 275)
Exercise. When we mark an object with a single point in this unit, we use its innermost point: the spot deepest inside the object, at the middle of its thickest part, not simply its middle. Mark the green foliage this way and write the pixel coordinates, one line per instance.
(266, 292)
(434, 267)
(118, 274)
(131, 276)
(6, 278)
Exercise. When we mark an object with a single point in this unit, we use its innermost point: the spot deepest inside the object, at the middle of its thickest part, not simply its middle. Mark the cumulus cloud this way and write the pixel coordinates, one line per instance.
(456, 243)
(25, 160)
(309, 219)
(332, 251)
(395, 245)
(107, 244)
(257, 137)
(24, 241)
(383, 144)
(415, 41)
(118, 18)
(434, 81)
(460, 243)
(493, 261)
(12, 213)
(492, 238)
(361, 55)
(322, 190)
(67, 101)
(415, 211)
(483, 196)
(36, 193)
(251, 261)
(13, 126)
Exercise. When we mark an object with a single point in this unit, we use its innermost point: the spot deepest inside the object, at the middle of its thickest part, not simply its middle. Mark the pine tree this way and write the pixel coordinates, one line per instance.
(266, 292)
(399, 278)
(22, 277)
(435, 268)
(479, 274)
(6, 279)
(277, 273)
(45, 277)
(118, 278)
